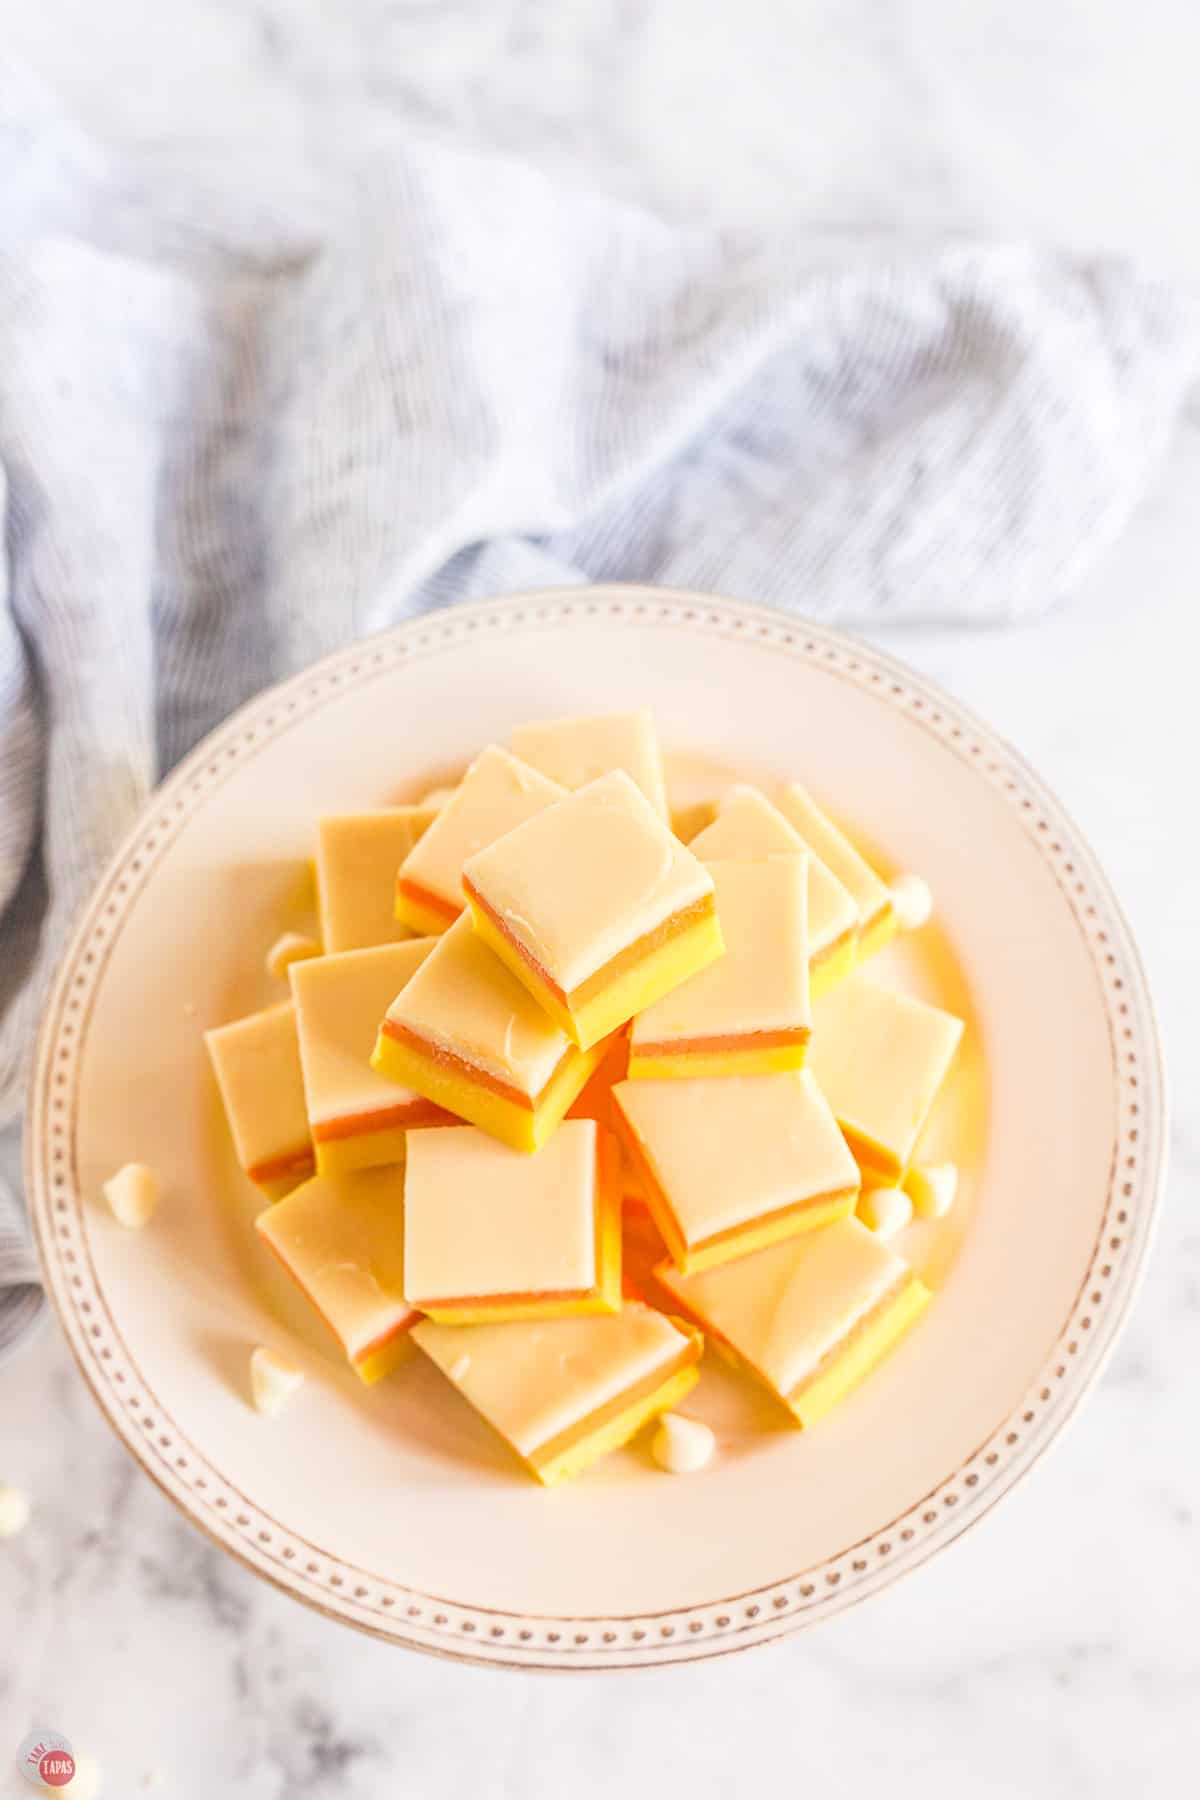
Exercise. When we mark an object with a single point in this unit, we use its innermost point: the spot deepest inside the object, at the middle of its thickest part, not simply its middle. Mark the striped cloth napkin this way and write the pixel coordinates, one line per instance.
(223, 453)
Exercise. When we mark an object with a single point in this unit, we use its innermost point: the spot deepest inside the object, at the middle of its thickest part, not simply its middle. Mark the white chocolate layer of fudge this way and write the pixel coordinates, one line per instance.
(562, 1392)
(490, 1231)
(810, 1316)
(358, 1117)
(727, 1163)
(256, 1061)
(575, 751)
(748, 826)
(872, 896)
(497, 792)
(358, 855)
(750, 1005)
(881, 1058)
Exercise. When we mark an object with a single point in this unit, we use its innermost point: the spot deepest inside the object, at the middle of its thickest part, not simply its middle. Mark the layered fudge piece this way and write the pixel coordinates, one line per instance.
(492, 1234)
(575, 751)
(747, 826)
(747, 1013)
(358, 855)
(465, 1033)
(564, 1392)
(497, 792)
(872, 896)
(358, 1117)
(341, 1239)
(730, 1163)
(880, 1058)
(811, 1316)
(256, 1061)
(596, 908)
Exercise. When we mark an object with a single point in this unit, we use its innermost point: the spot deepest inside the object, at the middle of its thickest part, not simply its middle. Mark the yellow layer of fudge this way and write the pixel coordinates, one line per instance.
(575, 751)
(358, 855)
(730, 1163)
(341, 1239)
(564, 1392)
(747, 826)
(497, 792)
(748, 1013)
(358, 1117)
(466, 1034)
(880, 1059)
(492, 1234)
(256, 1061)
(809, 1317)
(872, 896)
(595, 907)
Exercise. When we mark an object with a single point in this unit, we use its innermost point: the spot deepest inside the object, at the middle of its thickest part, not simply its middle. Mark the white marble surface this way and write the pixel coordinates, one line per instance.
(1052, 1652)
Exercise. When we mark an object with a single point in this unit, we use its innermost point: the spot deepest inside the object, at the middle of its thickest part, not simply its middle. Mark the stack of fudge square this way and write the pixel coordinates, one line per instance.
(549, 1104)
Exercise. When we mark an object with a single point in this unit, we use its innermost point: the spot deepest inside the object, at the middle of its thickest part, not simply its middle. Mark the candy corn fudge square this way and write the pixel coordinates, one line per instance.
(596, 908)
(747, 1013)
(256, 1061)
(492, 1234)
(564, 1392)
(341, 1239)
(358, 1117)
(729, 1163)
(497, 792)
(880, 1059)
(747, 826)
(465, 1033)
(872, 896)
(358, 855)
(574, 751)
(810, 1316)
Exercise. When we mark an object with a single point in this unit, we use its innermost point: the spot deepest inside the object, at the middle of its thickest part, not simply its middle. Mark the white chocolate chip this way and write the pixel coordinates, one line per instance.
(932, 1189)
(273, 1379)
(291, 947)
(459, 1367)
(885, 1210)
(133, 1194)
(681, 1446)
(86, 1782)
(15, 1510)
(912, 902)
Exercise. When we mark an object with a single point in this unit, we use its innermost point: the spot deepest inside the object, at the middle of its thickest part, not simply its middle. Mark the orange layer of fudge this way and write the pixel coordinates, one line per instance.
(358, 855)
(732, 1162)
(257, 1064)
(497, 792)
(492, 1234)
(747, 1013)
(872, 896)
(341, 1238)
(881, 1058)
(358, 1117)
(466, 1034)
(574, 751)
(811, 1316)
(747, 826)
(564, 1392)
(596, 908)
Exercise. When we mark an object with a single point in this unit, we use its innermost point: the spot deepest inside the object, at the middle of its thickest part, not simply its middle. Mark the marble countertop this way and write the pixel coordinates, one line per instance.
(1051, 1652)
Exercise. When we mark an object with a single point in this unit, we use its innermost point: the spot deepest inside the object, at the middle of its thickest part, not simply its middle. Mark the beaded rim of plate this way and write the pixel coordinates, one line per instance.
(441, 1626)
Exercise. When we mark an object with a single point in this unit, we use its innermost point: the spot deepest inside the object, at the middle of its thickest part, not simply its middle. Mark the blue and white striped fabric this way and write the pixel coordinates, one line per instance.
(220, 458)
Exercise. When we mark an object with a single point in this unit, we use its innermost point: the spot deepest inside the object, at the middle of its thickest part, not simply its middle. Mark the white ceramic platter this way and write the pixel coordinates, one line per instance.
(392, 1508)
